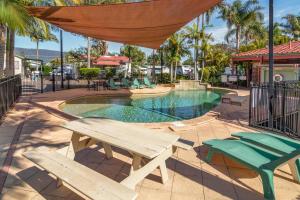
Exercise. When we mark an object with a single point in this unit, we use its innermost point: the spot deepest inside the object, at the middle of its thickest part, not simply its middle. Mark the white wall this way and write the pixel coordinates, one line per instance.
(18, 65)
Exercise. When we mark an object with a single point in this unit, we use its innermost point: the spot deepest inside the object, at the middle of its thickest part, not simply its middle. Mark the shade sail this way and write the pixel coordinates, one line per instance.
(146, 24)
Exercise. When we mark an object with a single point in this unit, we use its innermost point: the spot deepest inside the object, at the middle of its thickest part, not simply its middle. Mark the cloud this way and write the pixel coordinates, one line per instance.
(218, 33)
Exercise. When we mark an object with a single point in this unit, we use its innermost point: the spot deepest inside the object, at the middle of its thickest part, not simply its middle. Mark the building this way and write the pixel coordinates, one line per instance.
(19, 65)
(286, 63)
(121, 62)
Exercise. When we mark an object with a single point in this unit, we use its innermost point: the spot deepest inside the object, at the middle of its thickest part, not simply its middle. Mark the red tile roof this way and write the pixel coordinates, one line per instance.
(288, 49)
(112, 60)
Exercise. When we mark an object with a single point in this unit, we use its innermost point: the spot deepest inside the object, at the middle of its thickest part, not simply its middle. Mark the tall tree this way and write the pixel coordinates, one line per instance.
(39, 31)
(177, 49)
(292, 26)
(193, 35)
(238, 15)
(13, 16)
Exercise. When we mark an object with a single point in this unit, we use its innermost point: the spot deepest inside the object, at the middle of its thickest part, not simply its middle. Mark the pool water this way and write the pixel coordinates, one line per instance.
(174, 106)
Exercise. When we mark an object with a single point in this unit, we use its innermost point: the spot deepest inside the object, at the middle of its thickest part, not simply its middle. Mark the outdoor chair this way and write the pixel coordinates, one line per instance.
(136, 85)
(259, 152)
(148, 84)
(112, 85)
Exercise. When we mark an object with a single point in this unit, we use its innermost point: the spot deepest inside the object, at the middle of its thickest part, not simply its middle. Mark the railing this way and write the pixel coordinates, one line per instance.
(10, 90)
(283, 108)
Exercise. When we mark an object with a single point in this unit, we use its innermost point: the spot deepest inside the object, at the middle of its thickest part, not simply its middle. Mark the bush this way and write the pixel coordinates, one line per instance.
(47, 70)
(110, 72)
(89, 73)
(165, 78)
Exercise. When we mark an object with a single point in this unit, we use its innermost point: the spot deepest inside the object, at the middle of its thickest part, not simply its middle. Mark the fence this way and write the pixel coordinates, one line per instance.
(283, 108)
(10, 90)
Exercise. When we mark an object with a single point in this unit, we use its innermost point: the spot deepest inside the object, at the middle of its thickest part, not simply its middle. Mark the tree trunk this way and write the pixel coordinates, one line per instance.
(153, 65)
(37, 56)
(237, 39)
(175, 73)
(202, 52)
(11, 59)
(171, 72)
(196, 74)
(89, 53)
(2, 49)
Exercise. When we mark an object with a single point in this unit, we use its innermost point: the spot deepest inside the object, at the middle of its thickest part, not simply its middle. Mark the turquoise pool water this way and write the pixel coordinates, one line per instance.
(174, 106)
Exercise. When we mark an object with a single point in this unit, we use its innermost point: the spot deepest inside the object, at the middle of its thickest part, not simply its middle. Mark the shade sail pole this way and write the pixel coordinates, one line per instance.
(61, 59)
(271, 61)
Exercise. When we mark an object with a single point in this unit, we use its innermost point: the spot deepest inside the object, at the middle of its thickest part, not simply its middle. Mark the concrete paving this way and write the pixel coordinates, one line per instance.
(34, 122)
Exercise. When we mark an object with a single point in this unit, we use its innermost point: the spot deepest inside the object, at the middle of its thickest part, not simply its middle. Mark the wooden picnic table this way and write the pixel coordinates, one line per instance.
(149, 148)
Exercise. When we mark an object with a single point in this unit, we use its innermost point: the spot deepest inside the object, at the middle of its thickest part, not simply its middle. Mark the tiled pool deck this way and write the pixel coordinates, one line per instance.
(34, 122)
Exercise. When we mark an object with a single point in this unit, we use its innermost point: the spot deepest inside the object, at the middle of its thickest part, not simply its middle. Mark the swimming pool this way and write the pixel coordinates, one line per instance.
(174, 106)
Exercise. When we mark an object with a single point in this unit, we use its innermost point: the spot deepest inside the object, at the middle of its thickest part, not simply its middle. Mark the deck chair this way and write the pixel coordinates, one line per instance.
(256, 158)
(148, 84)
(276, 143)
(125, 83)
(112, 85)
(136, 85)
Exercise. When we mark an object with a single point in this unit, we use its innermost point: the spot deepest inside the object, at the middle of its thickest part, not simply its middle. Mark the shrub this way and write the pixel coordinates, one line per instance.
(47, 70)
(165, 78)
(89, 73)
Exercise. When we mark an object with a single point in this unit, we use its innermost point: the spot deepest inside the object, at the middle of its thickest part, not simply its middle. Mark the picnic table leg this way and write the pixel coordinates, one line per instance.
(136, 163)
(72, 149)
(163, 172)
(108, 150)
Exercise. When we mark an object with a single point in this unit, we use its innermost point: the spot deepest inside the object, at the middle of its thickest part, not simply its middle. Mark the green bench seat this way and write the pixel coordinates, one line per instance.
(261, 160)
(276, 143)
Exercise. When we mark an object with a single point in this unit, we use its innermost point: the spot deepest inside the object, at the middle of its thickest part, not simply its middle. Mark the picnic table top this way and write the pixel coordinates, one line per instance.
(139, 140)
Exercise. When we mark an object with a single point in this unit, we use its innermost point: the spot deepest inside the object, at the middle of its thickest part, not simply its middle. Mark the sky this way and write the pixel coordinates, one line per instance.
(218, 29)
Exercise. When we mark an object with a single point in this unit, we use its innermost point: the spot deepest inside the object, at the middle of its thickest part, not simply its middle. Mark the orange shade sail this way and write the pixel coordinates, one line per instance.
(146, 24)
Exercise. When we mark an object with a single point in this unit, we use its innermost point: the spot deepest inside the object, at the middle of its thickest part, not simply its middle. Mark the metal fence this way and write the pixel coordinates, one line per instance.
(10, 90)
(281, 112)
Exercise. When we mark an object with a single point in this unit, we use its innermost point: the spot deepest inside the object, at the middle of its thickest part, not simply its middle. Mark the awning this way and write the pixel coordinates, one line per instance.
(146, 24)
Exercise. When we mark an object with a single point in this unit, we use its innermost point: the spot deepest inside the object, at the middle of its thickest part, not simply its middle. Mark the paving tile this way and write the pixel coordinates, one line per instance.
(17, 194)
(150, 194)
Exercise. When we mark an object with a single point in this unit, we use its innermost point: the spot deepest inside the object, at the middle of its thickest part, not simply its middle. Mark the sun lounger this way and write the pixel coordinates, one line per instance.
(279, 144)
(112, 84)
(233, 99)
(261, 160)
(136, 85)
(148, 83)
(80, 178)
(238, 100)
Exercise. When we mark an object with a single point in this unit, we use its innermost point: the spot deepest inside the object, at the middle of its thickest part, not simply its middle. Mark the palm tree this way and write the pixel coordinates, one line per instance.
(238, 15)
(39, 31)
(193, 36)
(205, 48)
(13, 17)
(292, 26)
(177, 49)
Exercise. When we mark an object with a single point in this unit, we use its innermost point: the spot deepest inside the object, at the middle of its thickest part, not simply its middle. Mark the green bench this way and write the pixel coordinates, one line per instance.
(256, 157)
(278, 144)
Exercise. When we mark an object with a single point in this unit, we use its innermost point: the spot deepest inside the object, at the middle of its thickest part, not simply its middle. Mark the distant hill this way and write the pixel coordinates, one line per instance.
(44, 54)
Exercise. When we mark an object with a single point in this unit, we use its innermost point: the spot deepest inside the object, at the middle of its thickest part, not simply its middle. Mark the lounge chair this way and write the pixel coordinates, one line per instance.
(112, 85)
(136, 85)
(125, 83)
(148, 84)
(261, 160)
(276, 143)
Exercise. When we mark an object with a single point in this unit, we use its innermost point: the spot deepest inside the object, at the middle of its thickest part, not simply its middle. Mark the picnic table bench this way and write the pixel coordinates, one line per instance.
(149, 149)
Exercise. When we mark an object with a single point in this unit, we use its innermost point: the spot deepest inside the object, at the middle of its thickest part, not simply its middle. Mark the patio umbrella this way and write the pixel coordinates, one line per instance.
(146, 24)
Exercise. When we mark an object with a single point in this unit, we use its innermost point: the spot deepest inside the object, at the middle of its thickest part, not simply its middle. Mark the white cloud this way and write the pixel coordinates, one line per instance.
(218, 33)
